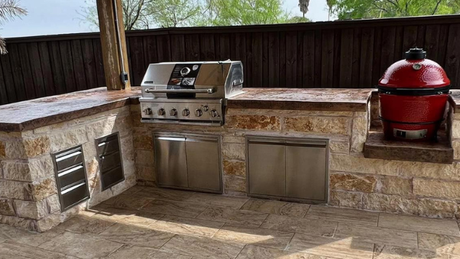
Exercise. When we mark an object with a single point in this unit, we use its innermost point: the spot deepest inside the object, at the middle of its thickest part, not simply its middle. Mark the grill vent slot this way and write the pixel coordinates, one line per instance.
(110, 162)
(71, 177)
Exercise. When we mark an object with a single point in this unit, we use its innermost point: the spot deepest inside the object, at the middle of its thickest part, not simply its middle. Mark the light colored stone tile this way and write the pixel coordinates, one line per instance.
(441, 244)
(359, 134)
(145, 157)
(167, 194)
(39, 190)
(217, 200)
(261, 237)
(14, 250)
(127, 201)
(67, 139)
(321, 125)
(233, 151)
(175, 208)
(346, 199)
(277, 207)
(411, 223)
(379, 235)
(81, 245)
(348, 216)
(137, 252)
(300, 225)
(6, 207)
(135, 235)
(394, 252)
(233, 139)
(390, 203)
(15, 190)
(86, 225)
(436, 188)
(235, 183)
(201, 247)
(36, 146)
(31, 209)
(259, 252)
(339, 146)
(21, 223)
(337, 248)
(187, 226)
(394, 185)
(28, 170)
(434, 208)
(25, 237)
(352, 182)
(234, 217)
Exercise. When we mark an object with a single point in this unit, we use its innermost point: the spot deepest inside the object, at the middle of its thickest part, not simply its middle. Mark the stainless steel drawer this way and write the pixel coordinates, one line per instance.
(108, 145)
(110, 161)
(71, 175)
(113, 176)
(74, 195)
(69, 158)
(170, 160)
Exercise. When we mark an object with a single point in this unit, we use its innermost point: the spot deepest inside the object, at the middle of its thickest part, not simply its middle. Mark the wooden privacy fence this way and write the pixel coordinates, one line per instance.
(323, 54)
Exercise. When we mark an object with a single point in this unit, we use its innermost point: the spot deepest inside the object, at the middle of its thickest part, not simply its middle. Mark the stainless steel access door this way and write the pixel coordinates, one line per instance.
(306, 170)
(203, 163)
(171, 164)
(266, 164)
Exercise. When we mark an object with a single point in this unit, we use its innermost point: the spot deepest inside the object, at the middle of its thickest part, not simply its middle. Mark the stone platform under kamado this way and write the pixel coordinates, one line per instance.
(365, 172)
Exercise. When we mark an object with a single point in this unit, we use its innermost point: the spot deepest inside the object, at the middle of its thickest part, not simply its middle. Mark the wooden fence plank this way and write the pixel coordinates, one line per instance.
(89, 63)
(192, 47)
(387, 48)
(327, 67)
(67, 66)
(377, 56)
(57, 67)
(177, 48)
(18, 78)
(36, 69)
(257, 60)
(3, 92)
(207, 47)
(78, 65)
(8, 78)
(367, 57)
(453, 60)
(164, 48)
(346, 58)
(136, 52)
(47, 71)
(308, 52)
(98, 62)
(291, 59)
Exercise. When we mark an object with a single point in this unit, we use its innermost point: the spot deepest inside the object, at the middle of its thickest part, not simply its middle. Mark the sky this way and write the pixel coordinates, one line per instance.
(47, 17)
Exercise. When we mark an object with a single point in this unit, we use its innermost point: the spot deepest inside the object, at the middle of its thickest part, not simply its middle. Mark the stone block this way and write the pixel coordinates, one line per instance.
(36, 146)
(359, 134)
(27, 224)
(92, 168)
(234, 183)
(339, 146)
(98, 197)
(320, 125)
(145, 157)
(6, 207)
(394, 185)
(127, 148)
(68, 139)
(253, 122)
(456, 127)
(2, 150)
(48, 222)
(143, 140)
(390, 203)
(146, 173)
(346, 199)
(42, 189)
(28, 170)
(14, 149)
(129, 182)
(233, 139)
(358, 164)
(232, 151)
(31, 209)
(456, 147)
(14, 190)
(129, 168)
(232, 167)
(124, 125)
(352, 182)
(436, 188)
(53, 204)
(437, 208)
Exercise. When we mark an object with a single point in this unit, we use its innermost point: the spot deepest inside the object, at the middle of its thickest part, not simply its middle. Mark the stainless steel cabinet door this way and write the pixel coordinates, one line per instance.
(171, 164)
(266, 168)
(306, 171)
(203, 163)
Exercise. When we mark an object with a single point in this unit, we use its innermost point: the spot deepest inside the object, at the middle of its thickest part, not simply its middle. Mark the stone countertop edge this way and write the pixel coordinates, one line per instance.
(36, 113)
(322, 99)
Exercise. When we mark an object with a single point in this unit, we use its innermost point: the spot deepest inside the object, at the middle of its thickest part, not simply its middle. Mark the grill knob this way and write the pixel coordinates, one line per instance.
(186, 112)
(173, 112)
(214, 114)
(205, 108)
(198, 112)
(148, 111)
(161, 112)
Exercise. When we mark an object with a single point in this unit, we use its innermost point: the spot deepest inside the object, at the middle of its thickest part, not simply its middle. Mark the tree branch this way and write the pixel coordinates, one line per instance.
(437, 6)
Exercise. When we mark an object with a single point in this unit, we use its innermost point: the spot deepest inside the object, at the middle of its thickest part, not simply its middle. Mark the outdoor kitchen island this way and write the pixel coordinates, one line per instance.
(44, 141)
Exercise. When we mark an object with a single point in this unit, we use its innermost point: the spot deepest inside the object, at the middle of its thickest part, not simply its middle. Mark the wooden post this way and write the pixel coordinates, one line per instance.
(110, 44)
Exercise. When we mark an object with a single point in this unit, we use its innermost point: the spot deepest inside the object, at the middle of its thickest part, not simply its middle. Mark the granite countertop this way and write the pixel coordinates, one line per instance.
(455, 98)
(45, 111)
(40, 112)
(325, 99)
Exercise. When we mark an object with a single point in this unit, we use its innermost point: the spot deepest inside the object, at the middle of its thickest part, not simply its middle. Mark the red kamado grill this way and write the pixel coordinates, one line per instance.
(413, 93)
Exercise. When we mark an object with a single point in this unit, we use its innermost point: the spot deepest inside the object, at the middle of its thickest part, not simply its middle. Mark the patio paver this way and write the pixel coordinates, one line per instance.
(179, 224)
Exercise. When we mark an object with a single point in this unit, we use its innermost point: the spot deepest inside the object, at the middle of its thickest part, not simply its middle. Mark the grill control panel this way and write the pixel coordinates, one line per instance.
(182, 111)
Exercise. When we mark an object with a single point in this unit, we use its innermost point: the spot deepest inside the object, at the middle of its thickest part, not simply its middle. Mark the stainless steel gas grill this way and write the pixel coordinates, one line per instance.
(189, 92)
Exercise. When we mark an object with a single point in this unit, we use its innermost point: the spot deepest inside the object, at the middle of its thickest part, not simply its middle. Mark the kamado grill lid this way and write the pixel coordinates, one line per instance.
(416, 71)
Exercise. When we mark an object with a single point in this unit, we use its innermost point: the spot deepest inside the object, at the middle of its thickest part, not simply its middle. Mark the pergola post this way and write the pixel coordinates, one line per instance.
(114, 55)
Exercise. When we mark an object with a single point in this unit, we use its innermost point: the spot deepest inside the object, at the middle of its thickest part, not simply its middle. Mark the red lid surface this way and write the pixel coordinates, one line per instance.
(417, 73)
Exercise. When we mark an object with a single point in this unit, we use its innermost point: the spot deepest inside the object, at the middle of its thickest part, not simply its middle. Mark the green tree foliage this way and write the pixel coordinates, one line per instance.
(174, 13)
(9, 9)
(358, 9)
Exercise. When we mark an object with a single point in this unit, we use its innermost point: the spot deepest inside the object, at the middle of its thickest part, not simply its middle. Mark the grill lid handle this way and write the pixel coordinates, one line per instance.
(180, 91)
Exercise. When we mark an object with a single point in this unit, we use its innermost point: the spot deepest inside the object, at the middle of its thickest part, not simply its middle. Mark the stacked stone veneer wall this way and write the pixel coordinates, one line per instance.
(28, 192)
(415, 188)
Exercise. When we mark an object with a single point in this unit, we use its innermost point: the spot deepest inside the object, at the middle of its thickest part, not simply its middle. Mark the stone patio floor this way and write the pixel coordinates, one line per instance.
(146, 222)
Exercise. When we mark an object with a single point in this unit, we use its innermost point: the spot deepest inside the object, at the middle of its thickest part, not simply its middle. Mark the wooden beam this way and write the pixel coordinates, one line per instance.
(111, 45)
